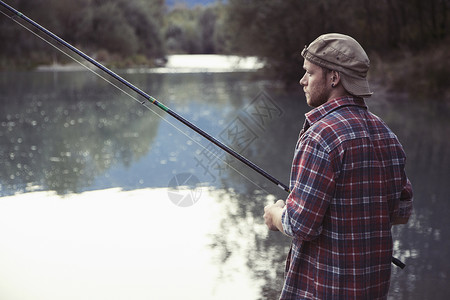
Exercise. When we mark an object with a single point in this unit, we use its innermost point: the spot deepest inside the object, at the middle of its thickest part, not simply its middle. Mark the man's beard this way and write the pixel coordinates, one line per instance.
(318, 96)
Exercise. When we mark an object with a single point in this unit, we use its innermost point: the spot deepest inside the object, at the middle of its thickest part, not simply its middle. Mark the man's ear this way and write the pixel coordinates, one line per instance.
(335, 77)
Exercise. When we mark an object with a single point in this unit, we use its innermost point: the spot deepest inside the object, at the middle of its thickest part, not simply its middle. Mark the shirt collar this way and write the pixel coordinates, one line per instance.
(319, 112)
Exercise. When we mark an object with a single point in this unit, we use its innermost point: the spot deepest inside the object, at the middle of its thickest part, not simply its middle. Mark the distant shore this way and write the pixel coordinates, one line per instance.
(423, 75)
(179, 63)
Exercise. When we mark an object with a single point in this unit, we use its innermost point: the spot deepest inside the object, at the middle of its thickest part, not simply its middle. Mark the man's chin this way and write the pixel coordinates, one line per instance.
(309, 102)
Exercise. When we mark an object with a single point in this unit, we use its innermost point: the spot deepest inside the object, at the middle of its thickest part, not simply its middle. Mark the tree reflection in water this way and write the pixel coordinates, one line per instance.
(62, 132)
(62, 138)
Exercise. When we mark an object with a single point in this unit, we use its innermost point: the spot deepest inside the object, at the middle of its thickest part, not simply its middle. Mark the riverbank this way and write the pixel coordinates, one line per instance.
(178, 63)
(423, 75)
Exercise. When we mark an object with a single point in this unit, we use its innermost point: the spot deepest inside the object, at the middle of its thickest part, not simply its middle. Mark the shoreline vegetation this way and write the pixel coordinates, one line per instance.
(174, 63)
(406, 42)
(422, 75)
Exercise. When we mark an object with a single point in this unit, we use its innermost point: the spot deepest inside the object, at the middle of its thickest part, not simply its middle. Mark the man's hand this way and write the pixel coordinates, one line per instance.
(272, 215)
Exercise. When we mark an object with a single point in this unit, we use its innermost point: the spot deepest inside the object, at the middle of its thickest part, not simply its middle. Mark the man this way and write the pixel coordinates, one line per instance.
(348, 183)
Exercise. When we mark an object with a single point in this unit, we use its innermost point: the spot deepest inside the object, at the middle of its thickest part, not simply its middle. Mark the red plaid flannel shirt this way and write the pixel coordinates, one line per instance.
(348, 186)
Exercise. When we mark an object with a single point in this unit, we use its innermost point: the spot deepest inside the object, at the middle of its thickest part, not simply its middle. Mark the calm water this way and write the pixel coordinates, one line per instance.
(91, 208)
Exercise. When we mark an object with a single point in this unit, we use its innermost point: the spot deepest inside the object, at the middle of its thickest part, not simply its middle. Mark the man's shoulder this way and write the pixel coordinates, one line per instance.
(348, 123)
(340, 121)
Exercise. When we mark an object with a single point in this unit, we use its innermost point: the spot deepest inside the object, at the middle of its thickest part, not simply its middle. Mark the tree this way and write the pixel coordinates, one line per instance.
(277, 30)
(120, 27)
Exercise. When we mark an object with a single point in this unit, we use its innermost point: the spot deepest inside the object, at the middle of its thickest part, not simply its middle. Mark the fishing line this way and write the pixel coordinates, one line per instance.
(134, 98)
(149, 98)
(160, 105)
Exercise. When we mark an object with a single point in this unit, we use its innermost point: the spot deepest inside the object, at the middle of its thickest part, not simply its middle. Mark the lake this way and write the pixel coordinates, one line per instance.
(102, 198)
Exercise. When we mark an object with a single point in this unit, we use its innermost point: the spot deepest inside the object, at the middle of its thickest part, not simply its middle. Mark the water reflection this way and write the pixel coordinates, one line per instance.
(424, 128)
(60, 131)
(103, 245)
(71, 132)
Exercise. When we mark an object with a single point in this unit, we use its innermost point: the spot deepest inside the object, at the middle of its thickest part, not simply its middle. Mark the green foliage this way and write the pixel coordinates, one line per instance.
(131, 32)
(114, 34)
(120, 27)
(423, 74)
(277, 30)
(194, 30)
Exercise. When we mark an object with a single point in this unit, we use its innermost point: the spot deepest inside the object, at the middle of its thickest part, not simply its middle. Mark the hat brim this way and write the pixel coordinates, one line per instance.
(356, 86)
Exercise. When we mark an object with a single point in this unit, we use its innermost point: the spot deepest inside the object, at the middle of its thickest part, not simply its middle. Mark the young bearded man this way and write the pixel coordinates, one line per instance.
(348, 183)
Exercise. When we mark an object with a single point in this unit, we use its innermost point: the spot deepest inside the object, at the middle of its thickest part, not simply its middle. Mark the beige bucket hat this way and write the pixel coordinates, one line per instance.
(342, 53)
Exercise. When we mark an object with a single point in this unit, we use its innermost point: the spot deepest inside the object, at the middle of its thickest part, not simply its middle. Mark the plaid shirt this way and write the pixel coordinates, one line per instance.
(348, 186)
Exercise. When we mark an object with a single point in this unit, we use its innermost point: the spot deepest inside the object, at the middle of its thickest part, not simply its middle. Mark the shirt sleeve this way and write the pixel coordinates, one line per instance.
(312, 188)
(405, 206)
(286, 223)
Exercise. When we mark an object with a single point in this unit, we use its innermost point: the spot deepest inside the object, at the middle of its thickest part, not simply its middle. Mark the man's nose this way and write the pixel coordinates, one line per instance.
(302, 81)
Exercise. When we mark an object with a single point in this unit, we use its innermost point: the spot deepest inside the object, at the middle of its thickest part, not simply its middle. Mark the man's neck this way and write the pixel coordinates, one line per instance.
(338, 92)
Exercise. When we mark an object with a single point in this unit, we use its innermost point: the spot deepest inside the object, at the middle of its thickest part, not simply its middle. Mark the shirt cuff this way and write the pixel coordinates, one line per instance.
(286, 222)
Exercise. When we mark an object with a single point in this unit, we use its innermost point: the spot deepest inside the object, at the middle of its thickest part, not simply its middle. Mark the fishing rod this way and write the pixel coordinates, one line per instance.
(151, 99)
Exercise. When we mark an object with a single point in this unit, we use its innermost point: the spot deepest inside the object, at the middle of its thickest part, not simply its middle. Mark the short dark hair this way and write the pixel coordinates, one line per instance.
(325, 71)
